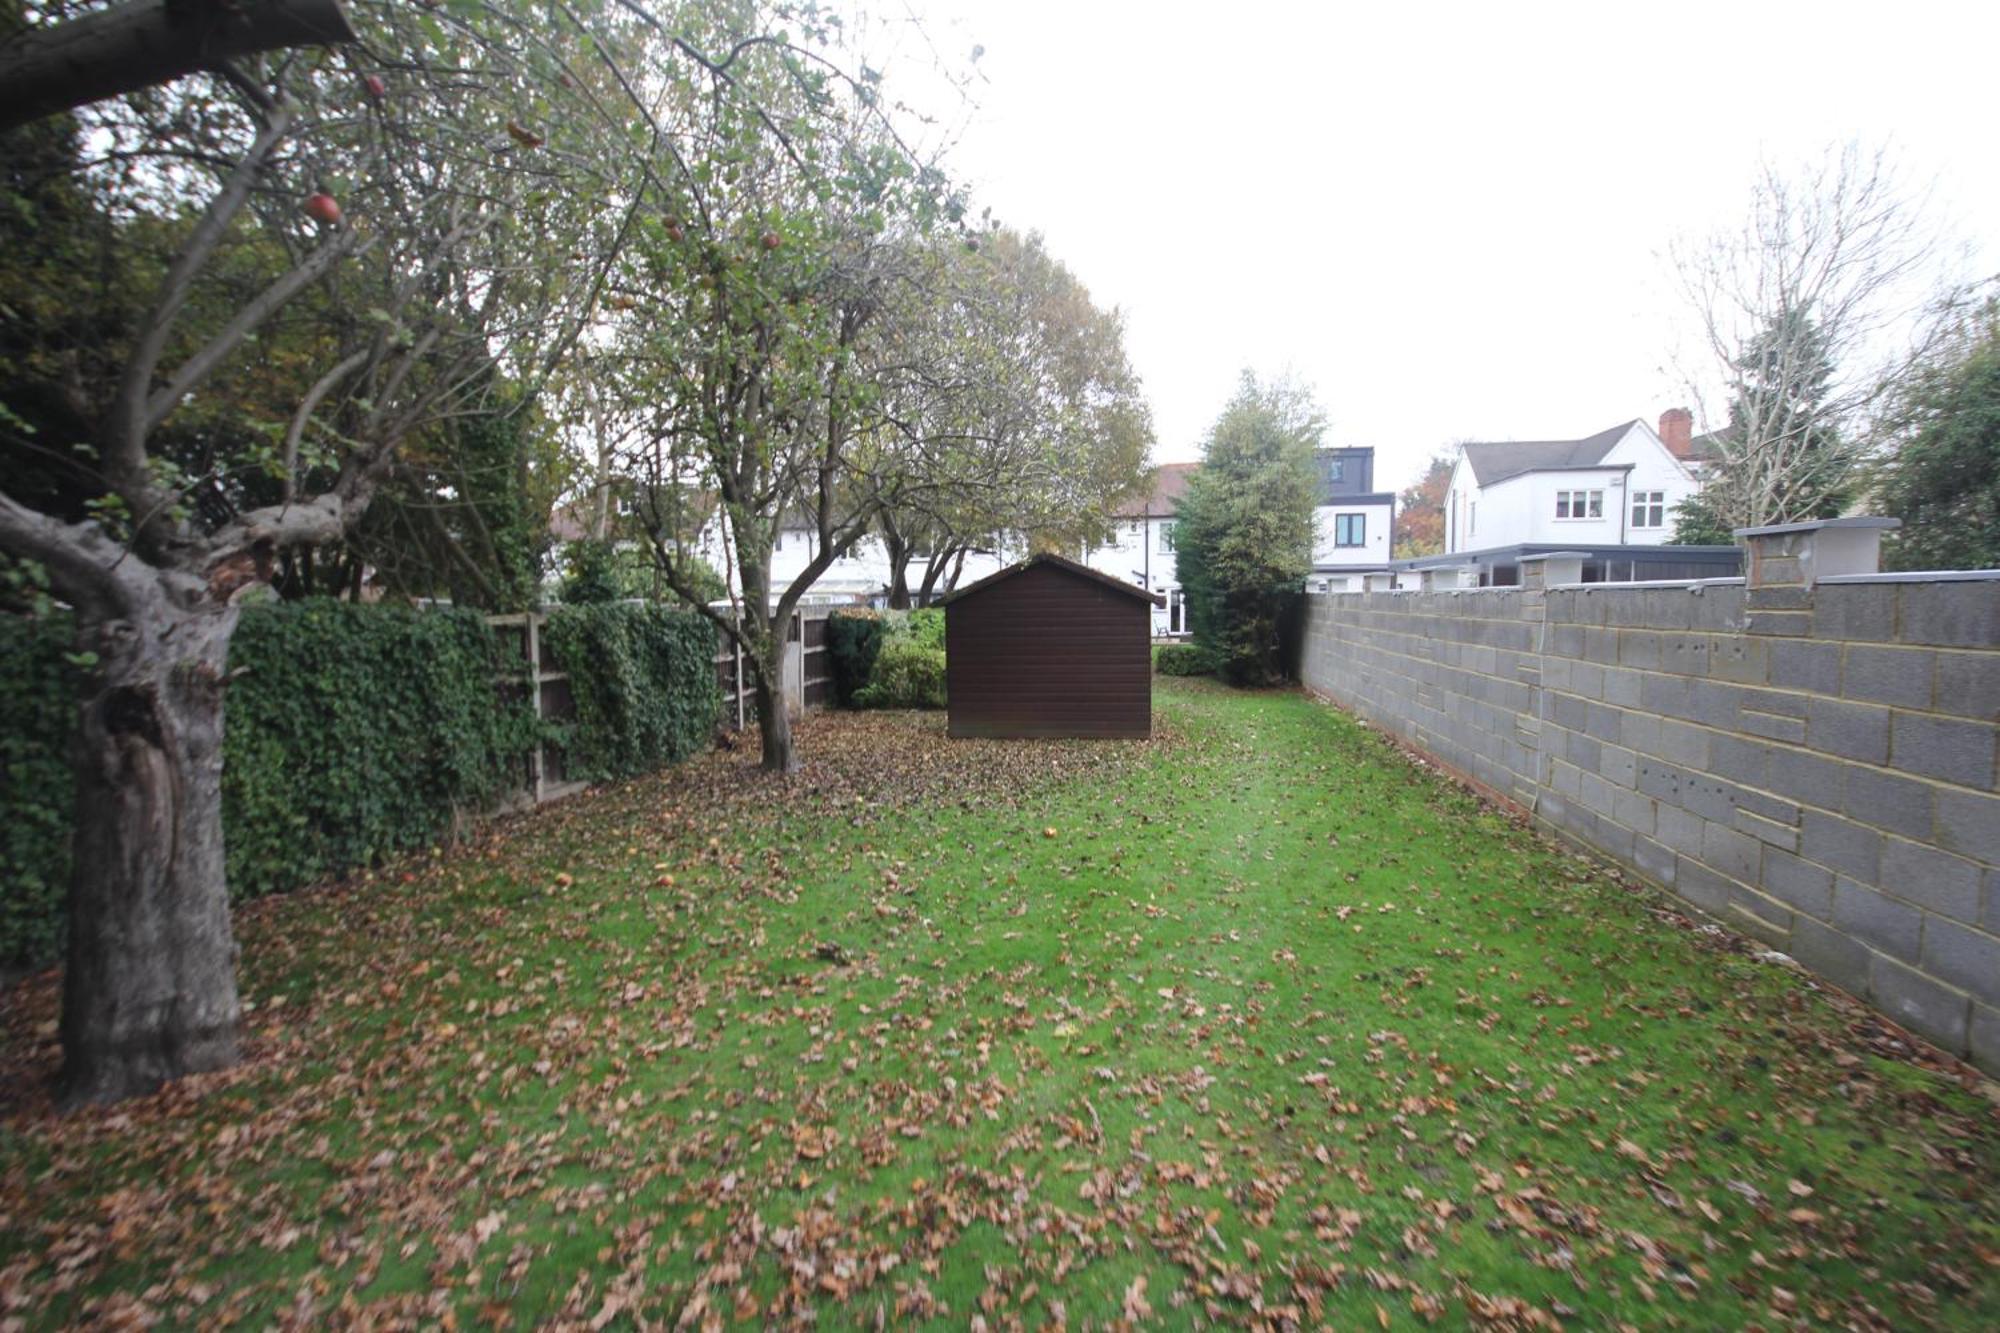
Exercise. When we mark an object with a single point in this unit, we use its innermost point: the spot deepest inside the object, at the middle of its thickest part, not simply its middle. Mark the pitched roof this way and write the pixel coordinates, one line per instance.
(1066, 565)
(1498, 461)
(1703, 448)
(1168, 483)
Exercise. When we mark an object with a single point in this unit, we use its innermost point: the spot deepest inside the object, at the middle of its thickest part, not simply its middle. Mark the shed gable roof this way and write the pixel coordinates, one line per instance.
(1067, 567)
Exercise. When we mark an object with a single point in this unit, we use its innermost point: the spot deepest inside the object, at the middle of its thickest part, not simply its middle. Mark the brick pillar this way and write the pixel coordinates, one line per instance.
(1782, 562)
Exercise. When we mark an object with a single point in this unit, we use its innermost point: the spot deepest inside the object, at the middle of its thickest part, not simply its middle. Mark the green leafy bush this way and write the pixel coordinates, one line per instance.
(1182, 659)
(924, 627)
(643, 678)
(907, 675)
(352, 732)
(853, 639)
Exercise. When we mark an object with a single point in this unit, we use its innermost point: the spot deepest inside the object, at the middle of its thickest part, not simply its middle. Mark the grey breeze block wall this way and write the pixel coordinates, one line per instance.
(1812, 763)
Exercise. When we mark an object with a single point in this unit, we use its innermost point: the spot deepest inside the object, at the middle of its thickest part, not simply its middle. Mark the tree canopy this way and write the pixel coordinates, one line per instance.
(1794, 308)
(1245, 528)
(1420, 510)
(1942, 476)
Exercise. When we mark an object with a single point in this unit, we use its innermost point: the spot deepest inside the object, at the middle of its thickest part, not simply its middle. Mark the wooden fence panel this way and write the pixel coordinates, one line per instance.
(810, 682)
(528, 676)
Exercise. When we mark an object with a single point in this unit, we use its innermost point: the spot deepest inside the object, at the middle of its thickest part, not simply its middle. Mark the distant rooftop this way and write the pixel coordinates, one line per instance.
(1169, 482)
(1500, 460)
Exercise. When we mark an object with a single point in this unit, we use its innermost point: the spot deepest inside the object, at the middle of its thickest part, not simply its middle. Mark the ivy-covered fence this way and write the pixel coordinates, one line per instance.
(353, 732)
(641, 680)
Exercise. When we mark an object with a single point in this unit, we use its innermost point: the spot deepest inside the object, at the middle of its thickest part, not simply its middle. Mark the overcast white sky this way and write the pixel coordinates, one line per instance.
(1448, 220)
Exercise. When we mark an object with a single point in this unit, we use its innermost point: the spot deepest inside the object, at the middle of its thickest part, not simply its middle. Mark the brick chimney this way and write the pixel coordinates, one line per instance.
(1677, 431)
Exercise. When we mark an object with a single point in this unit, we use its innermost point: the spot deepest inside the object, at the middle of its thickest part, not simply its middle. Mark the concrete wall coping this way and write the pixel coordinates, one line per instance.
(1921, 576)
(1554, 555)
(1815, 525)
(1692, 585)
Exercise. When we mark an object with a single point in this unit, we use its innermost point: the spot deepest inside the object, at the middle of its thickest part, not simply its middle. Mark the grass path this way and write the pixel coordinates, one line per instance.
(1256, 1023)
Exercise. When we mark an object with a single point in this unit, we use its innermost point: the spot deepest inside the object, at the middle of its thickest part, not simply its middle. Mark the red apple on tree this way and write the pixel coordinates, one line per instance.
(376, 88)
(323, 207)
(771, 240)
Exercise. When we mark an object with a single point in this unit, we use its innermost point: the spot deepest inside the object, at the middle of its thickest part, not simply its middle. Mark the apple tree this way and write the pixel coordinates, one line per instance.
(340, 249)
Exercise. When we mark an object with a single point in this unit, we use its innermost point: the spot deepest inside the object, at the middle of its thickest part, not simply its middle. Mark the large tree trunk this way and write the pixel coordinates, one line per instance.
(775, 721)
(764, 653)
(899, 565)
(149, 992)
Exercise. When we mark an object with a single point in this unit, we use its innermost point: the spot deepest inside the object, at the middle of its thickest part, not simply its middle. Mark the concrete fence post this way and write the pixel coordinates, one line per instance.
(1451, 576)
(1783, 560)
(1552, 569)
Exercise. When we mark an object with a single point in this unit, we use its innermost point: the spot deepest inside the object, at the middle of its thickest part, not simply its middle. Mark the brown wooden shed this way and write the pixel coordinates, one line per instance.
(1049, 647)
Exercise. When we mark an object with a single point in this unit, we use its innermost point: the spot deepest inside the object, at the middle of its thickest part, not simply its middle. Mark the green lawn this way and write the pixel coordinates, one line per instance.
(1254, 1023)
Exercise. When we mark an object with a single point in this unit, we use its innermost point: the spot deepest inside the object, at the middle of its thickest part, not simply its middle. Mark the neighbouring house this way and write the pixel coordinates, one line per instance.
(1050, 647)
(1353, 532)
(1354, 525)
(1140, 546)
(860, 577)
(1618, 487)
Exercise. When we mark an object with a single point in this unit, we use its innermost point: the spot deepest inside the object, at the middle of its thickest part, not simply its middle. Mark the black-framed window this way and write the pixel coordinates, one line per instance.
(1350, 529)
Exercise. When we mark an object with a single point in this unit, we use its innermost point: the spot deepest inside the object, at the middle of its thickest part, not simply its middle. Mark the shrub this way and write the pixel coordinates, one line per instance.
(907, 675)
(924, 628)
(853, 639)
(643, 678)
(1182, 659)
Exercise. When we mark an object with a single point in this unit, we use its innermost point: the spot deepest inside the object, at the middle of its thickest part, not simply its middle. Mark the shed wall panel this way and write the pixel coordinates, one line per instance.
(1049, 653)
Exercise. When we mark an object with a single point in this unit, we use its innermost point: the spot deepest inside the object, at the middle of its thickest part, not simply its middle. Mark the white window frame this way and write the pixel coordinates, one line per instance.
(1591, 501)
(1167, 537)
(1649, 505)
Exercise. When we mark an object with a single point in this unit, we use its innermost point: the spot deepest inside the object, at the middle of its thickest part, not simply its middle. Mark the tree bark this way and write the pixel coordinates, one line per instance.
(149, 992)
(764, 651)
(898, 550)
(146, 42)
(774, 720)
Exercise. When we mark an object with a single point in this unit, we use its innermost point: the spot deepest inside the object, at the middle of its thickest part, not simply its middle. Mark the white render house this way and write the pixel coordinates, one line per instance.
(1354, 525)
(1141, 546)
(1618, 487)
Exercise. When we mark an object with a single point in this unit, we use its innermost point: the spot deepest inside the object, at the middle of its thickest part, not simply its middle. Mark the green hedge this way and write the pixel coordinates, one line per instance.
(352, 733)
(357, 731)
(853, 641)
(643, 678)
(1182, 659)
(37, 789)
